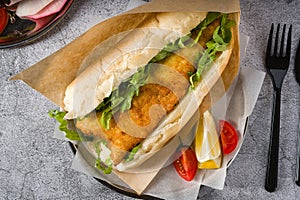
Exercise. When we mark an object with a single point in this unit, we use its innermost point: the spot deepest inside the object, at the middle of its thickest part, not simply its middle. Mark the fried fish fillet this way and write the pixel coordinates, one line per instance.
(155, 100)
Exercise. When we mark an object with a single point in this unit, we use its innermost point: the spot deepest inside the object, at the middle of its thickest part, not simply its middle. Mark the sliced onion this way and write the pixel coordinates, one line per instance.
(52, 8)
(40, 23)
(31, 7)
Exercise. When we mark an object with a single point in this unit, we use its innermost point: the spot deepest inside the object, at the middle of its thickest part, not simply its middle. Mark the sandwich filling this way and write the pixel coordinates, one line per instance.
(182, 61)
(125, 118)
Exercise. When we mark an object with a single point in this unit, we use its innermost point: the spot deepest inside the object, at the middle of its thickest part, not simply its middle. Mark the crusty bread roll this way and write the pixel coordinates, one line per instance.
(120, 58)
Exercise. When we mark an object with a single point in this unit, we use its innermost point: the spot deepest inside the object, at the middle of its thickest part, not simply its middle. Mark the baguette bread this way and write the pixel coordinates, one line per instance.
(121, 56)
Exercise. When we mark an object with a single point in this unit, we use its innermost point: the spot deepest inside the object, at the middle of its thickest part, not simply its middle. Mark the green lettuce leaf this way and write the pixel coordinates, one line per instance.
(106, 168)
(59, 116)
(132, 153)
(221, 37)
(106, 117)
(121, 98)
(210, 17)
(171, 47)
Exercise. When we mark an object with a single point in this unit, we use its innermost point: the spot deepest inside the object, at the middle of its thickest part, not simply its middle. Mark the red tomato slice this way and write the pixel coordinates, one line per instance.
(229, 137)
(186, 165)
(3, 19)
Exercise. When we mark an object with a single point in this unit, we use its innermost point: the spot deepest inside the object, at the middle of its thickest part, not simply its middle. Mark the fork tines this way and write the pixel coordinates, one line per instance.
(288, 46)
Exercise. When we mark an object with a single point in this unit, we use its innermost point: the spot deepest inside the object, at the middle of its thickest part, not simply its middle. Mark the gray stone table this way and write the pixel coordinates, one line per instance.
(34, 165)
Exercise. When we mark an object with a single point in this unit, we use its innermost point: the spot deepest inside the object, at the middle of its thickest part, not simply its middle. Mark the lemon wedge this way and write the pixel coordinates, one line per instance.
(207, 144)
(211, 164)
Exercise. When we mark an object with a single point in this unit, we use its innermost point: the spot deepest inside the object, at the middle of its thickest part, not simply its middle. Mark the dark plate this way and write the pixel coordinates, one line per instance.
(30, 36)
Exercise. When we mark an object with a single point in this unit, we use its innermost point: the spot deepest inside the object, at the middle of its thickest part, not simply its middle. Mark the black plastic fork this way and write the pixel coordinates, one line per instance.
(277, 63)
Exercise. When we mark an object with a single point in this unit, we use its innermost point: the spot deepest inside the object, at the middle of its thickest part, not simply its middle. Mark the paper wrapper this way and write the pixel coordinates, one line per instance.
(61, 68)
(238, 103)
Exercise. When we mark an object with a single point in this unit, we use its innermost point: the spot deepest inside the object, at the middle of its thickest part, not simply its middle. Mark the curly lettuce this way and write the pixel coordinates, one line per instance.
(132, 153)
(63, 124)
(221, 38)
(106, 166)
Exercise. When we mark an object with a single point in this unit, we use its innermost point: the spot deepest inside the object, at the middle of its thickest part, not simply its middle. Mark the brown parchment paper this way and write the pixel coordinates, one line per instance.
(53, 74)
(225, 6)
(61, 68)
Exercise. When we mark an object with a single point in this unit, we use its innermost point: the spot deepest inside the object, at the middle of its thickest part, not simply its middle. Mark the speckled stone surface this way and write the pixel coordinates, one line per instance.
(33, 165)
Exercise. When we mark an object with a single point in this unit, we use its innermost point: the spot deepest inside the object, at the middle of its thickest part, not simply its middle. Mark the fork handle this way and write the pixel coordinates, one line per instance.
(272, 167)
(298, 158)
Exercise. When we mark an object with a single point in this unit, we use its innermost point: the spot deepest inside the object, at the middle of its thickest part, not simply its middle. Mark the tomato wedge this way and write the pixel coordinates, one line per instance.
(186, 165)
(229, 137)
(3, 19)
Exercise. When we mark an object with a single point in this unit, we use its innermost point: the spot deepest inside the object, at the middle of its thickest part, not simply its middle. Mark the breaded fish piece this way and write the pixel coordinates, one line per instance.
(168, 85)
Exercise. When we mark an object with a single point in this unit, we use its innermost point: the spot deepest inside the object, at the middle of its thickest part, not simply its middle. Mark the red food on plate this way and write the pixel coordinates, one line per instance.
(186, 164)
(3, 19)
(229, 137)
